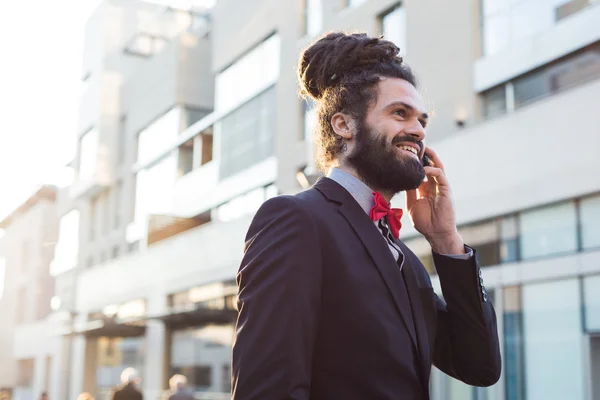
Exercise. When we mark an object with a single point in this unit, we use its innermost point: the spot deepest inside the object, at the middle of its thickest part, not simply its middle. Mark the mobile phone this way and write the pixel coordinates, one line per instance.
(425, 161)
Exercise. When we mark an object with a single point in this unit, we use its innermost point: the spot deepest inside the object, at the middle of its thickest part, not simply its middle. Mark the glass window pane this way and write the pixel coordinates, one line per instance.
(589, 214)
(155, 187)
(247, 134)
(513, 343)
(200, 354)
(248, 76)
(553, 340)
(484, 238)
(494, 102)
(153, 139)
(591, 291)
(509, 251)
(393, 26)
(549, 230)
(496, 30)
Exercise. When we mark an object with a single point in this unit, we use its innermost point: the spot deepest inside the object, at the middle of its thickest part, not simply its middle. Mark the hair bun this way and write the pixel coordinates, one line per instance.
(334, 55)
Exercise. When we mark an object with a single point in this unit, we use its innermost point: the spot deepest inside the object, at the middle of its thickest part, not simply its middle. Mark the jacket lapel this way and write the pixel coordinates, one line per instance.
(413, 291)
(375, 245)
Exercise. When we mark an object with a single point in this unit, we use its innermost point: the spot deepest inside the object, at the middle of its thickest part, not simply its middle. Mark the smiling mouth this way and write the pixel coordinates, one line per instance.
(409, 149)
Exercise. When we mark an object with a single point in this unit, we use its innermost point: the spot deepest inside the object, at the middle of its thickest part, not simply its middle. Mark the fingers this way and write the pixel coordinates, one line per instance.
(436, 162)
(438, 175)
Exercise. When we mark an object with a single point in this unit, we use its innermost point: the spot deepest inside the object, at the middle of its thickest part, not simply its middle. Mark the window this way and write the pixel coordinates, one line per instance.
(552, 332)
(509, 239)
(589, 215)
(393, 27)
(570, 71)
(155, 187)
(577, 68)
(309, 120)
(226, 378)
(186, 158)
(513, 343)
(507, 22)
(88, 155)
(313, 17)
(591, 298)
(203, 355)
(157, 136)
(548, 231)
(192, 116)
(66, 252)
(494, 102)
(247, 134)
(484, 238)
(250, 75)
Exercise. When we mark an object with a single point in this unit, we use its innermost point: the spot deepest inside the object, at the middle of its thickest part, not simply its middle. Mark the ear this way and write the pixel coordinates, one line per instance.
(342, 125)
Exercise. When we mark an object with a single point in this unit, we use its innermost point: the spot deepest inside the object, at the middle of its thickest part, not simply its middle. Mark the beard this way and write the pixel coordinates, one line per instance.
(381, 166)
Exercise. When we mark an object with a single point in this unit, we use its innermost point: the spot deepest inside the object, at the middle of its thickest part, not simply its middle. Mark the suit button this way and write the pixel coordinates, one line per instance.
(484, 297)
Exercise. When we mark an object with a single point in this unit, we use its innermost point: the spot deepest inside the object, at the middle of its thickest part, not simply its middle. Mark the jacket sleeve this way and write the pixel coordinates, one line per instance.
(279, 295)
(466, 344)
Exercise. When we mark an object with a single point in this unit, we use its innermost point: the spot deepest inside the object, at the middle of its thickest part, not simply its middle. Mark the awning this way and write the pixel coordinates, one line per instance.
(180, 317)
(111, 327)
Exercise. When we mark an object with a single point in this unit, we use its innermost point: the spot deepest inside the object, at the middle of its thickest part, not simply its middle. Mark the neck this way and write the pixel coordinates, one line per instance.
(352, 171)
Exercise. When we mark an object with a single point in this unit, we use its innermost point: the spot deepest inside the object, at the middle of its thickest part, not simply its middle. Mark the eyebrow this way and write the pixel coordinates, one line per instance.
(410, 108)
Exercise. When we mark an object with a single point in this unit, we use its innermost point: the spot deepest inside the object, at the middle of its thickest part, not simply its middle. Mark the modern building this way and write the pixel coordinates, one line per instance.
(191, 120)
(30, 354)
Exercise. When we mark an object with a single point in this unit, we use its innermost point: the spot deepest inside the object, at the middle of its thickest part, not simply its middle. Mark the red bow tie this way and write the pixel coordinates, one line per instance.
(382, 209)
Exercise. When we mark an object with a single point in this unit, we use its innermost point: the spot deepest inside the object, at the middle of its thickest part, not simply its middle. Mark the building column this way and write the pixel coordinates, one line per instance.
(154, 373)
(77, 366)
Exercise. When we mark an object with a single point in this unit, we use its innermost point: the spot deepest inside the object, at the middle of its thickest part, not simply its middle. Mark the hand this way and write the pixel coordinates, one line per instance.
(431, 210)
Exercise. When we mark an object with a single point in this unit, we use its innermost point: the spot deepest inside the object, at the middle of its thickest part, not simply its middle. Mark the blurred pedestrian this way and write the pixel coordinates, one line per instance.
(178, 385)
(85, 396)
(44, 396)
(128, 391)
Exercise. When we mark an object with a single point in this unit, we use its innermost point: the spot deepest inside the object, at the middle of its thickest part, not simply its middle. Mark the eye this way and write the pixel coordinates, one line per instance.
(423, 123)
(400, 112)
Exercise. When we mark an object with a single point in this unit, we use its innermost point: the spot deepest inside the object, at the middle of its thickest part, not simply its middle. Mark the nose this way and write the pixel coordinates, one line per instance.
(415, 130)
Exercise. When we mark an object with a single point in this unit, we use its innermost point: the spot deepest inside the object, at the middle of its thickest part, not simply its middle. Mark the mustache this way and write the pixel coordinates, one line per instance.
(406, 138)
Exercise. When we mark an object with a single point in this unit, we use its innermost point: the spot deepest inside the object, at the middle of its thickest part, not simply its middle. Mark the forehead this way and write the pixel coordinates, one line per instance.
(390, 90)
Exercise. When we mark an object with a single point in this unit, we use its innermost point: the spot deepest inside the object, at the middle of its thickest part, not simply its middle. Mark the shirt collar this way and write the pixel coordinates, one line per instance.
(357, 188)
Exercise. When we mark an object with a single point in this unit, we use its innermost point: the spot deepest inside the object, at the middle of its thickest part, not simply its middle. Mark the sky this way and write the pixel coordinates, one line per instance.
(41, 43)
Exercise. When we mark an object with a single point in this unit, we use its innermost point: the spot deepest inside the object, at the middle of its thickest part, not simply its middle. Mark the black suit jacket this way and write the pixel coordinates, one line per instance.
(325, 312)
(128, 392)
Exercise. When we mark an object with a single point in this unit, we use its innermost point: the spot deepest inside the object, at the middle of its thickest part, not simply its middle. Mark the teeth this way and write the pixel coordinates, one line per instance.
(409, 148)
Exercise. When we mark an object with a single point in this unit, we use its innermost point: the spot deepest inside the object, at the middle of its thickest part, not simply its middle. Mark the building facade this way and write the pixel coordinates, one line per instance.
(191, 119)
(29, 361)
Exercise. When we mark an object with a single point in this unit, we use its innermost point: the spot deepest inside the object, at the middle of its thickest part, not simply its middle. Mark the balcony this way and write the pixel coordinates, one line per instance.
(208, 253)
(573, 27)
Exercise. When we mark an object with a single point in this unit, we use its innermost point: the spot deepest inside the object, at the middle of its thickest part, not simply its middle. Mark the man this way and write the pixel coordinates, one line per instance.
(178, 383)
(332, 305)
(129, 379)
